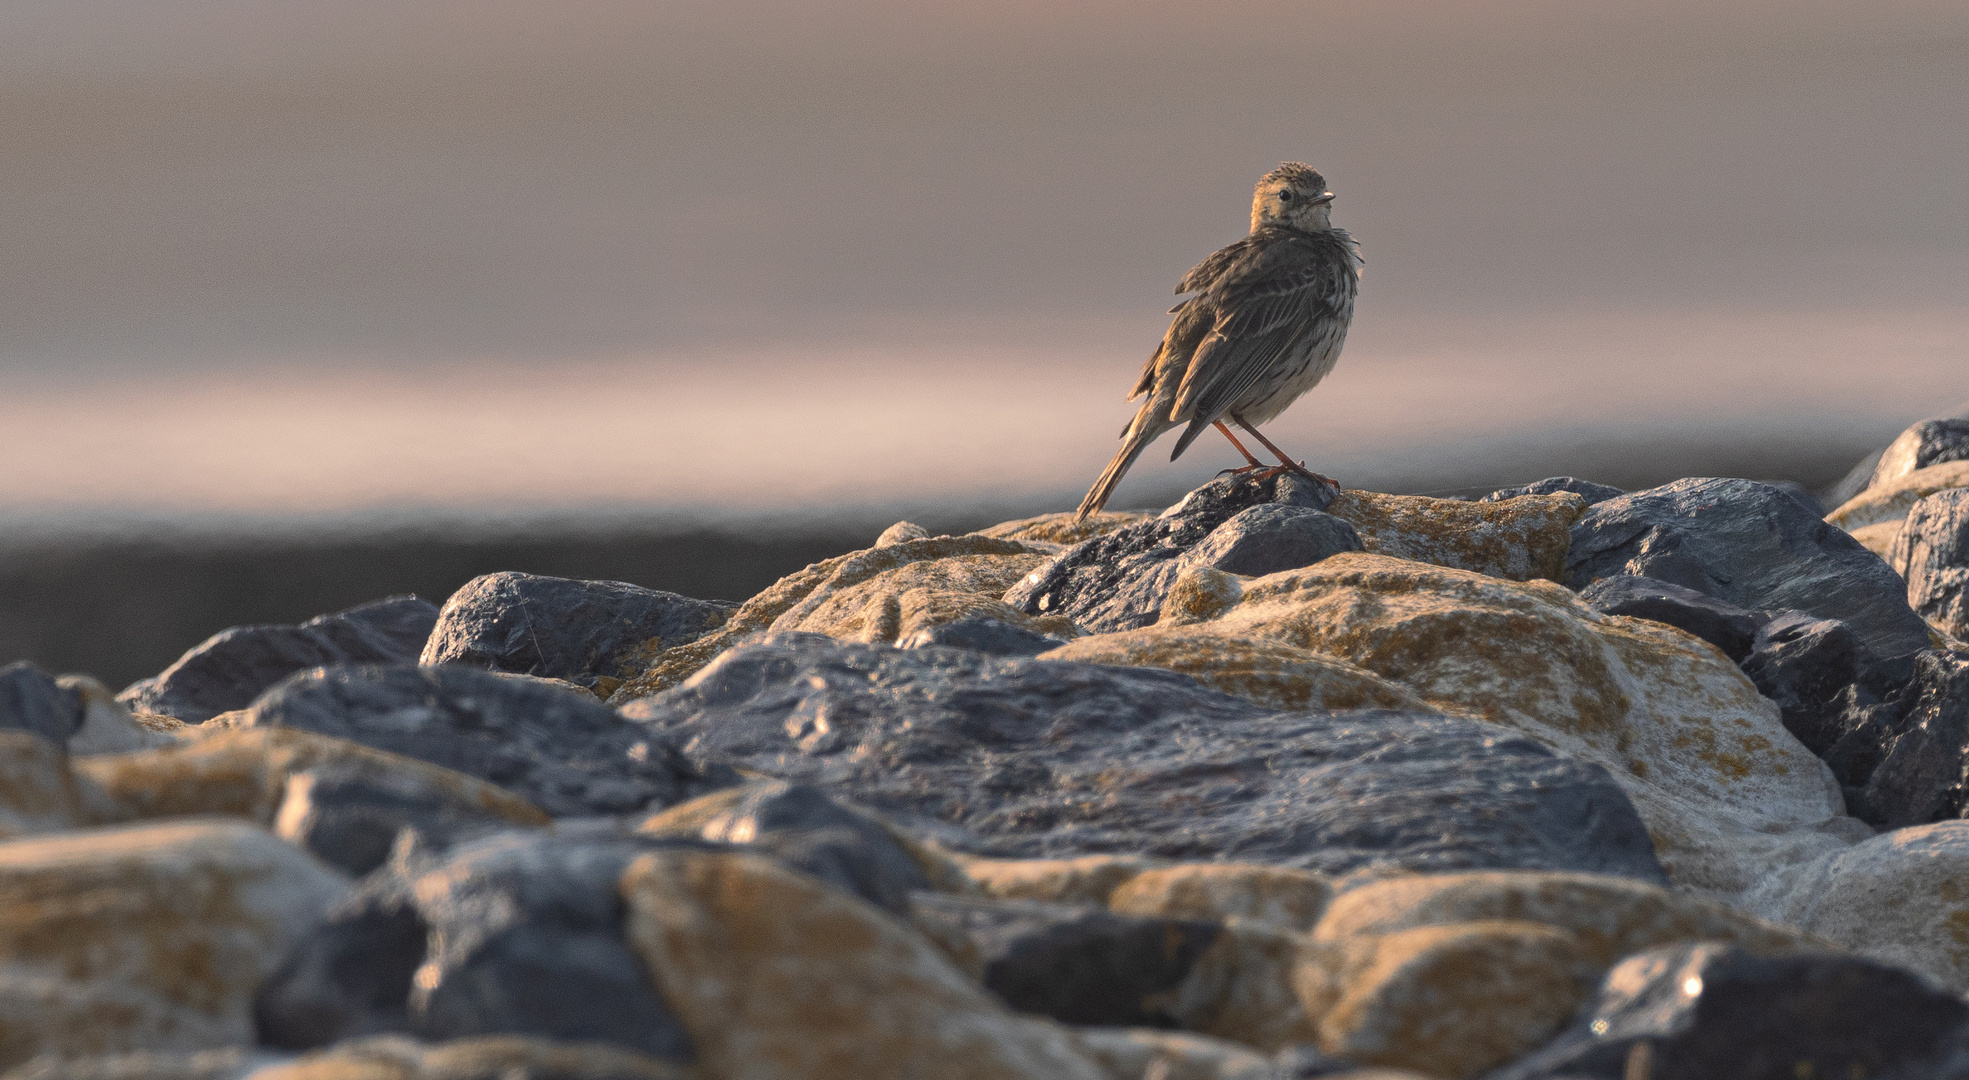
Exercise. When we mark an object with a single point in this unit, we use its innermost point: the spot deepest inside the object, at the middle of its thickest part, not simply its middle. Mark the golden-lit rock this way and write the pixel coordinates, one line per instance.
(1062, 529)
(486, 1057)
(1243, 988)
(1090, 879)
(150, 937)
(1449, 1001)
(778, 976)
(108, 727)
(1260, 669)
(1890, 500)
(1278, 896)
(1879, 537)
(1522, 538)
(1200, 594)
(40, 794)
(896, 603)
(244, 772)
(1134, 1053)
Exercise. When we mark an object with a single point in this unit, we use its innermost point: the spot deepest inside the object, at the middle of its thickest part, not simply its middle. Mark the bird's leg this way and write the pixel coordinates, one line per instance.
(1255, 463)
(1285, 463)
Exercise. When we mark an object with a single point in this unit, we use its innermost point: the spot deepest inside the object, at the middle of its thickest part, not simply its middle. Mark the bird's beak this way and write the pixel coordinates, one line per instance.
(1323, 197)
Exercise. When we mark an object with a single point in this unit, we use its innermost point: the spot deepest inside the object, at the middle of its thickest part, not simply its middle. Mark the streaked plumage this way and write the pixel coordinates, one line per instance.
(1265, 324)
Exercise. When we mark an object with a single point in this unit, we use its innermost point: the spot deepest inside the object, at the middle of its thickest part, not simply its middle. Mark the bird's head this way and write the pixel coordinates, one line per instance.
(1293, 195)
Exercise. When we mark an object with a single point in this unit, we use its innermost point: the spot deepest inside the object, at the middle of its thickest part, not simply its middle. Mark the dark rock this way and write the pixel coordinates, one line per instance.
(1726, 626)
(518, 933)
(1035, 758)
(568, 754)
(1800, 494)
(350, 817)
(1751, 545)
(231, 668)
(1307, 1063)
(993, 636)
(1272, 537)
(1078, 964)
(1923, 774)
(1932, 553)
(1552, 485)
(559, 628)
(1118, 581)
(1819, 673)
(1930, 442)
(808, 830)
(31, 701)
(1710, 1010)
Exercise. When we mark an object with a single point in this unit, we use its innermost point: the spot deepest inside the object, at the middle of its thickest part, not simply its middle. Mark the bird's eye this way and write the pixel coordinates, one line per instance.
(1285, 196)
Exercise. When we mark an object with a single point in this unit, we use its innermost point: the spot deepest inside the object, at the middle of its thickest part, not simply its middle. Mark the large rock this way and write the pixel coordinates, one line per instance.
(146, 938)
(567, 755)
(108, 727)
(1923, 753)
(1270, 537)
(777, 976)
(1587, 490)
(40, 794)
(517, 934)
(1749, 544)
(231, 668)
(1930, 442)
(559, 628)
(1035, 757)
(1874, 517)
(1519, 538)
(1728, 627)
(913, 600)
(1827, 684)
(1726, 791)
(1932, 553)
(1268, 673)
(1696, 1012)
(1875, 465)
(31, 701)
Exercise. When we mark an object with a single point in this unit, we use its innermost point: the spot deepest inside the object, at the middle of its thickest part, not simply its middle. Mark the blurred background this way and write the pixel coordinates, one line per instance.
(303, 303)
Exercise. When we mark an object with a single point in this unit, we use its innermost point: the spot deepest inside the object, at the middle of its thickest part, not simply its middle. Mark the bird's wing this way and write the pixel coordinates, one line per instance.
(1261, 317)
(1206, 273)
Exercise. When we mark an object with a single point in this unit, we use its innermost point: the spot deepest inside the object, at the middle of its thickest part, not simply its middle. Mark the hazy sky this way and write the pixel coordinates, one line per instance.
(325, 255)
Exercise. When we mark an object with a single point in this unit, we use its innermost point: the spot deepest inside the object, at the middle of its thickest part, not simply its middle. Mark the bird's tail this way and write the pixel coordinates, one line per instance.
(1133, 441)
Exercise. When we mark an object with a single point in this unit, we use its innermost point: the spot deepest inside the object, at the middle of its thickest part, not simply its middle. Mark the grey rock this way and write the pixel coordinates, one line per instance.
(229, 669)
(517, 933)
(1930, 442)
(993, 636)
(560, 628)
(1032, 758)
(1800, 494)
(1726, 626)
(1822, 676)
(810, 831)
(350, 817)
(1751, 545)
(1078, 964)
(31, 700)
(1552, 485)
(1118, 581)
(1932, 553)
(1923, 770)
(1272, 537)
(1301, 1062)
(1710, 1010)
(567, 755)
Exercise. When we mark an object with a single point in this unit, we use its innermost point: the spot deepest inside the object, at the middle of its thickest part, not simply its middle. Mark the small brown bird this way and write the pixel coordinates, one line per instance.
(1265, 325)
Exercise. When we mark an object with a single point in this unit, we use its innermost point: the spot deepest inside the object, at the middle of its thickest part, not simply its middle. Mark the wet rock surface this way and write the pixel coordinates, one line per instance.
(560, 628)
(231, 668)
(1040, 758)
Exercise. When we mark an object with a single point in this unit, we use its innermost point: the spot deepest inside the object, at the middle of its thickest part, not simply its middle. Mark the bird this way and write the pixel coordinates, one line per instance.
(1264, 322)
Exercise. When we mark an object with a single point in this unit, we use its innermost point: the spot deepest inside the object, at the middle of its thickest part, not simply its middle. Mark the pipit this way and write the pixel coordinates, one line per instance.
(1265, 324)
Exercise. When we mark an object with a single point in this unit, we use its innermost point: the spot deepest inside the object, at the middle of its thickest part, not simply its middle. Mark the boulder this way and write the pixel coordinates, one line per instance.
(1277, 896)
(986, 635)
(1699, 1011)
(1824, 680)
(492, 1057)
(150, 937)
(559, 628)
(778, 976)
(1728, 627)
(1588, 491)
(109, 728)
(1932, 553)
(1751, 545)
(1134, 1053)
(1030, 758)
(231, 668)
(31, 701)
(1889, 501)
(39, 793)
(514, 934)
(1923, 753)
(1862, 475)
(1928, 443)
(349, 814)
(906, 601)
(1265, 672)
(566, 755)
(1518, 539)
(1261, 539)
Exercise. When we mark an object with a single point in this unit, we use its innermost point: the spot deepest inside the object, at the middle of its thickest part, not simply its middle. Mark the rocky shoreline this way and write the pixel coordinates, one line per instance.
(1281, 782)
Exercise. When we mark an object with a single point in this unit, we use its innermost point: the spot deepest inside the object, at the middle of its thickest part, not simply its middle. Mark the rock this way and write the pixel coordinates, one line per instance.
(231, 668)
(1089, 879)
(1890, 500)
(31, 701)
(1710, 1010)
(1261, 539)
(1200, 594)
(1751, 545)
(1924, 756)
(797, 596)
(1587, 490)
(516, 934)
(567, 756)
(146, 938)
(1823, 678)
(778, 976)
(1928, 443)
(805, 828)
(231, 1063)
(493, 1057)
(1519, 539)
(1277, 896)
(1119, 579)
(1728, 627)
(1077, 964)
(1897, 898)
(250, 773)
(348, 814)
(900, 532)
(38, 793)
(994, 637)
(1268, 673)
(1932, 553)
(1242, 989)
(1134, 1053)
(1064, 529)
(109, 728)
(560, 628)
(1045, 758)
(1907, 454)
